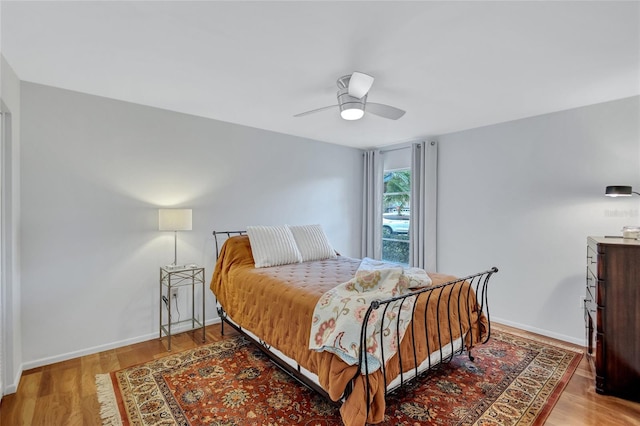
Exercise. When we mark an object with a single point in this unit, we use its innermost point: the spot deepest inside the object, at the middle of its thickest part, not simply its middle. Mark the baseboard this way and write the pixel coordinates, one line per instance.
(13, 387)
(547, 333)
(95, 349)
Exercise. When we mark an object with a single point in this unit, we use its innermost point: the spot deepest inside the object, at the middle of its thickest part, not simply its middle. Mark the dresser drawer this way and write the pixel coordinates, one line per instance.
(595, 290)
(590, 302)
(591, 333)
(592, 260)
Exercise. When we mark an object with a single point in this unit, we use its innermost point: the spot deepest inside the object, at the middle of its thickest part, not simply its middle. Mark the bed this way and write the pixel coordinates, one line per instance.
(273, 307)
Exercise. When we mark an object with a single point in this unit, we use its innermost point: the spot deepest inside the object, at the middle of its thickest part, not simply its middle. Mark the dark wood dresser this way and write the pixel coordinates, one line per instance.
(612, 315)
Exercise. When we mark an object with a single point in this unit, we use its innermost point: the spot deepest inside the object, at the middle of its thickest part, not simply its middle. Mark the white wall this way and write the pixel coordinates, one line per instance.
(12, 357)
(521, 195)
(524, 196)
(94, 172)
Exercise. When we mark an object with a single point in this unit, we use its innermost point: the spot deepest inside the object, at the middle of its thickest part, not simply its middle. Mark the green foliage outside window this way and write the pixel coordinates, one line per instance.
(396, 251)
(396, 200)
(397, 190)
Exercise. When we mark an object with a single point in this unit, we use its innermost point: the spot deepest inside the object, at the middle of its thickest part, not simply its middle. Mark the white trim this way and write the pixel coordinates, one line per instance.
(13, 387)
(547, 333)
(101, 348)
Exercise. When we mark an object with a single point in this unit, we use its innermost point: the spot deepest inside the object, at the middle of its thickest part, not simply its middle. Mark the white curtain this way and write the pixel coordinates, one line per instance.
(372, 205)
(424, 196)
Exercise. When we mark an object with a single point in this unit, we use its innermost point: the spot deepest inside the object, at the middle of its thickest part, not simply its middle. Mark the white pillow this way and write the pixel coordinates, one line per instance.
(272, 246)
(312, 242)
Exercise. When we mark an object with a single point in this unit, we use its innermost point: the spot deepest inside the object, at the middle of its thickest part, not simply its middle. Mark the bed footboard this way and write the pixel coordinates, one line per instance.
(460, 307)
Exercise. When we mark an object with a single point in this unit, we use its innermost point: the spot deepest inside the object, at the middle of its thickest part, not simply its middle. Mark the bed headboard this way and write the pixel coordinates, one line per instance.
(229, 234)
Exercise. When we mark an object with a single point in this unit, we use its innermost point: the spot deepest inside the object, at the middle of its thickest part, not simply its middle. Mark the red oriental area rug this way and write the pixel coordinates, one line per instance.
(512, 381)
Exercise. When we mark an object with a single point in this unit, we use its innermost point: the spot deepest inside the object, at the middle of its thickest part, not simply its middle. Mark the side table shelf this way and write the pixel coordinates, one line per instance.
(176, 277)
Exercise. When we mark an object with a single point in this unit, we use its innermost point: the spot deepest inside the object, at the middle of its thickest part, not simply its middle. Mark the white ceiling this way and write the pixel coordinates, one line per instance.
(450, 65)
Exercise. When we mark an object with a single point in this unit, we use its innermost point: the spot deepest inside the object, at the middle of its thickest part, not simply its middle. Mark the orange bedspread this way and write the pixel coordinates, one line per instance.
(277, 304)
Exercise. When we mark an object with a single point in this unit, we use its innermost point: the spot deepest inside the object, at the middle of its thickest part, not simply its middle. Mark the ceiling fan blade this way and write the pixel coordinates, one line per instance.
(314, 110)
(359, 84)
(383, 110)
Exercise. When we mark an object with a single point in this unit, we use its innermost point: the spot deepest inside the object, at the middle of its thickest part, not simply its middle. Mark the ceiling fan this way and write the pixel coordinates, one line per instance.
(352, 99)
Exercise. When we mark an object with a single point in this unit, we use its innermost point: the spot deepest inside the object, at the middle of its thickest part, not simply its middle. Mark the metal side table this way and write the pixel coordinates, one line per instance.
(172, 278)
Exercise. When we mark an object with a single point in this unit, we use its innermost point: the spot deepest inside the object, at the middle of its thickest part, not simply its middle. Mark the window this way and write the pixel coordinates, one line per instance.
(396, 215)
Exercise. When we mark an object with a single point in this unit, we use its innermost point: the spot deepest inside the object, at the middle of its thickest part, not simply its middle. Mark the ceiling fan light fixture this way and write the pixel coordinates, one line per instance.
(351, 112)
(351, 108)
(352, 94)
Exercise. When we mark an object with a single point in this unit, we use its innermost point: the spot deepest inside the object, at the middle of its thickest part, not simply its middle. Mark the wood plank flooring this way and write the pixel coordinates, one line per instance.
(64, 393)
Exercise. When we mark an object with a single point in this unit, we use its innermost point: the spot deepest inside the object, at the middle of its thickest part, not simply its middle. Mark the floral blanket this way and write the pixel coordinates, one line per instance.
(340, 312)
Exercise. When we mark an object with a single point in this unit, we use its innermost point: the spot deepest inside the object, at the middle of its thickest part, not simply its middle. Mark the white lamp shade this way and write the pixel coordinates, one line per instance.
(174, 219)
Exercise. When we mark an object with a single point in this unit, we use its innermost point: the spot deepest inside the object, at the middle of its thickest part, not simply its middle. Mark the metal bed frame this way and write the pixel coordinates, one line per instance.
(443, 353)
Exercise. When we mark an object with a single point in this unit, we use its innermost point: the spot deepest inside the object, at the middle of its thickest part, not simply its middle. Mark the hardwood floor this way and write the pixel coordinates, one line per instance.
(64, 393)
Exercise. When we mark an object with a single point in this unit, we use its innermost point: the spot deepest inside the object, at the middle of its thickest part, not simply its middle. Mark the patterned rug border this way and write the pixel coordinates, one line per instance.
(113, 412)
(562, 383)
(540, 417)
